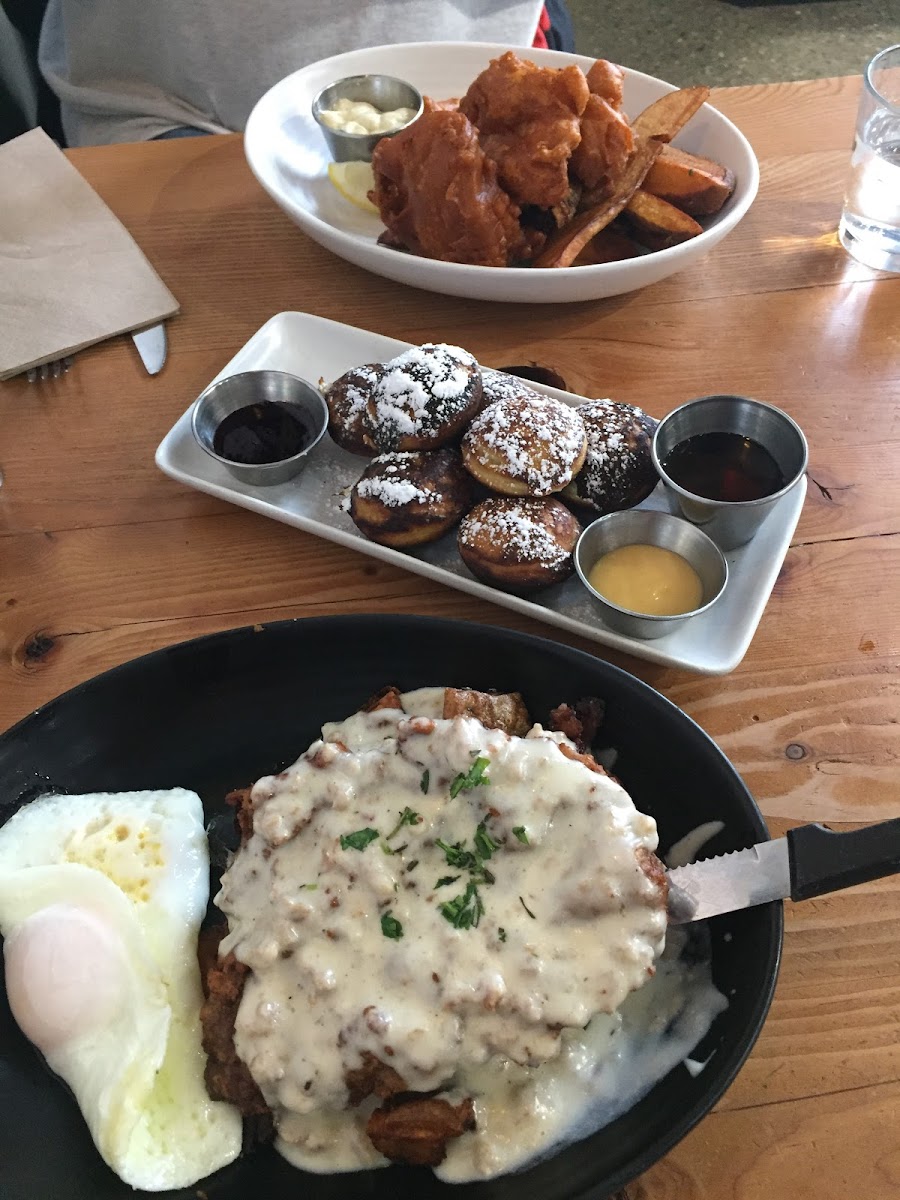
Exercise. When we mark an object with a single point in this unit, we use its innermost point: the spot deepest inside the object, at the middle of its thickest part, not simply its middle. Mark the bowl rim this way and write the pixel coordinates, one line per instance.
(665, 518)
(232, 647)
(338, 237)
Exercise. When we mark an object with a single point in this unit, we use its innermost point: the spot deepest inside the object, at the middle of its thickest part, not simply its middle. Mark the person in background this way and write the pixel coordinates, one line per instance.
(133, 70)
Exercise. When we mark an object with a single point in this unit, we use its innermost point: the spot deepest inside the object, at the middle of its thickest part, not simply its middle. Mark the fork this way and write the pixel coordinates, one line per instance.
(49, 370)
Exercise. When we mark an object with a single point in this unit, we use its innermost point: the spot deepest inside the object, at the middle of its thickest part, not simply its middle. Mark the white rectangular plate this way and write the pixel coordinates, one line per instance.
(314, 348)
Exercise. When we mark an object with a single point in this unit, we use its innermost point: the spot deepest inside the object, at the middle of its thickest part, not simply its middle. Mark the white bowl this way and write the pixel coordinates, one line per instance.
(288, 155)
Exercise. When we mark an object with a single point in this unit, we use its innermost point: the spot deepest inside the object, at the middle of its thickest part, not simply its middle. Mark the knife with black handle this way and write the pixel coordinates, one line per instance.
(810, 861)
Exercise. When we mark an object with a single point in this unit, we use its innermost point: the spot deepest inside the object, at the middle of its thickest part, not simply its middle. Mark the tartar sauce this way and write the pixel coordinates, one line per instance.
(358, 116)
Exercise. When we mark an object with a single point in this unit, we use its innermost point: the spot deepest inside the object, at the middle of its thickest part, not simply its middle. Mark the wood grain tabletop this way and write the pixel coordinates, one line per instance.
(102, 558)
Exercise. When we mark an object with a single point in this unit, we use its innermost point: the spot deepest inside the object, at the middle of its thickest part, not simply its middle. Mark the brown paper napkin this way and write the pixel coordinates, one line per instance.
(70, 273)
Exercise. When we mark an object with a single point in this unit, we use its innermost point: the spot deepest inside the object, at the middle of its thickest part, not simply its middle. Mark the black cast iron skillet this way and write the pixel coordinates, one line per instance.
(216, 713)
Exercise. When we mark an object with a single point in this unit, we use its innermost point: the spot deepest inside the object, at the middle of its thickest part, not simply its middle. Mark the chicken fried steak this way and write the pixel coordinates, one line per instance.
(420, 906)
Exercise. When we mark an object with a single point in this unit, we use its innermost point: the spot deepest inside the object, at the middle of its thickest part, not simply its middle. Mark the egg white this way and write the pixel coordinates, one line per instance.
(128, 873)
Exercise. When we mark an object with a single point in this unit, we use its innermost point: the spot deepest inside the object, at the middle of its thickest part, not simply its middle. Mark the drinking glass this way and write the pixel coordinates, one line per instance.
(870, 222)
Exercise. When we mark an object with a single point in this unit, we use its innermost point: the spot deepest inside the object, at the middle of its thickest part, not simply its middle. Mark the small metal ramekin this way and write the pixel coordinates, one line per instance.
(226, 396)
(641, 526)
(384, 92)
(730, 523)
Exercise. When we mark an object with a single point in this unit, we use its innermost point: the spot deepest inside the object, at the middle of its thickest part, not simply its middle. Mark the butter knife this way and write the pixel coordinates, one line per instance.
(810, 861)
(151, 345)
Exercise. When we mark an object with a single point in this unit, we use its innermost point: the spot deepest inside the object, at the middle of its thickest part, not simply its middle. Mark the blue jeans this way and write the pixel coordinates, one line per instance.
(180, 132)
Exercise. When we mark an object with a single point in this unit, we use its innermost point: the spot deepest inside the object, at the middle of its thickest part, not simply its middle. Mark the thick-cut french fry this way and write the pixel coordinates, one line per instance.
(562, 249)
(610, 245)
(652, 128)
(563, 212)
(656, 223)
(696, 185)
(668, 115)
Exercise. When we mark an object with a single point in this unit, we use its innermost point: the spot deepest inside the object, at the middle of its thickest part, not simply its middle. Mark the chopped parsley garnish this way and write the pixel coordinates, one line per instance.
(466, 910)
(519, 831)
(358, 840)
(484, 843)
(457, 857)
(527, 909)
(310, 887)
(501, 934)
(473, 778)
(425, 780)
(407, 817)
(391, 927)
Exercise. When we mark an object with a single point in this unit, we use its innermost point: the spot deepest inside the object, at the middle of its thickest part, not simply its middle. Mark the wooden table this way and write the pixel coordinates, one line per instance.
(102, 558)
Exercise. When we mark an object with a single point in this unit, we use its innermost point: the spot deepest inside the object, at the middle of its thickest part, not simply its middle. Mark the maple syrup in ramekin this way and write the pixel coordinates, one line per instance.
(724, 466)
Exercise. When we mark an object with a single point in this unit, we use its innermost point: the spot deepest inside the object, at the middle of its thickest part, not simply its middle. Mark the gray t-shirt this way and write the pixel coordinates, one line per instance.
(126, 70)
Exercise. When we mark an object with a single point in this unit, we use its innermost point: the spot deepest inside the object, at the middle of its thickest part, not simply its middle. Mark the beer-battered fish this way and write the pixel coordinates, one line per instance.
(438, 194)
(528, 120)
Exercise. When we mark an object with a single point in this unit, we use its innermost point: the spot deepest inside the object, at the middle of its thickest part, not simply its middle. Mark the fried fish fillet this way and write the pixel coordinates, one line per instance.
(605, 80)
(438, 194)
(605, 147)
(528, 120)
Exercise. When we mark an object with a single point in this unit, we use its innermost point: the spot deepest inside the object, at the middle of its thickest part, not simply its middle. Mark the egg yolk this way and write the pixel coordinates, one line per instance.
(64, 974)
(647, 579)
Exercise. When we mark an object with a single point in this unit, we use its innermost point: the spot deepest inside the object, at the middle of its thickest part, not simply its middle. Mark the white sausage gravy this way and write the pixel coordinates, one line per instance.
(474, 910)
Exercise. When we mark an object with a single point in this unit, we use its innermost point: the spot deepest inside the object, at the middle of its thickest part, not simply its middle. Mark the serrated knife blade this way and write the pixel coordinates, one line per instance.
(151, 345)
(810, 861)
(730, 881)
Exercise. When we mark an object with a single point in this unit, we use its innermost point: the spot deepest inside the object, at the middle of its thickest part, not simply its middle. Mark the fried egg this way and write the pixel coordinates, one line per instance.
(101, 899)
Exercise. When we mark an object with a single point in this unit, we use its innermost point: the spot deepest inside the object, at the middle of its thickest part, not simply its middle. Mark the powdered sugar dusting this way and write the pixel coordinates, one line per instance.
(359, 390)
(422, 391)
(618, 451)
(387, 480)
(520, 526)
(347, 399)
(498, 385)
(393, 492)
(351, 392)
(531, 438)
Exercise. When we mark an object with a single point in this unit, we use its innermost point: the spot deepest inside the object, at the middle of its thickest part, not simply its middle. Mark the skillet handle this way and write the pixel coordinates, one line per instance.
(822, 860)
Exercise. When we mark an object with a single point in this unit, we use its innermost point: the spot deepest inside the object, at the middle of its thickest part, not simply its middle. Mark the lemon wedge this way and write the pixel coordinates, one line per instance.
(354, 180)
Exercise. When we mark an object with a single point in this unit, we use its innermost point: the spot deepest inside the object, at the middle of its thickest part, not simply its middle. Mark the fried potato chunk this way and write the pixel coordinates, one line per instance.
(504, 711)
(696, 185)
(372, 1077)
(658, 224)
(388, 697)
(579, 722)
(415, 1129)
